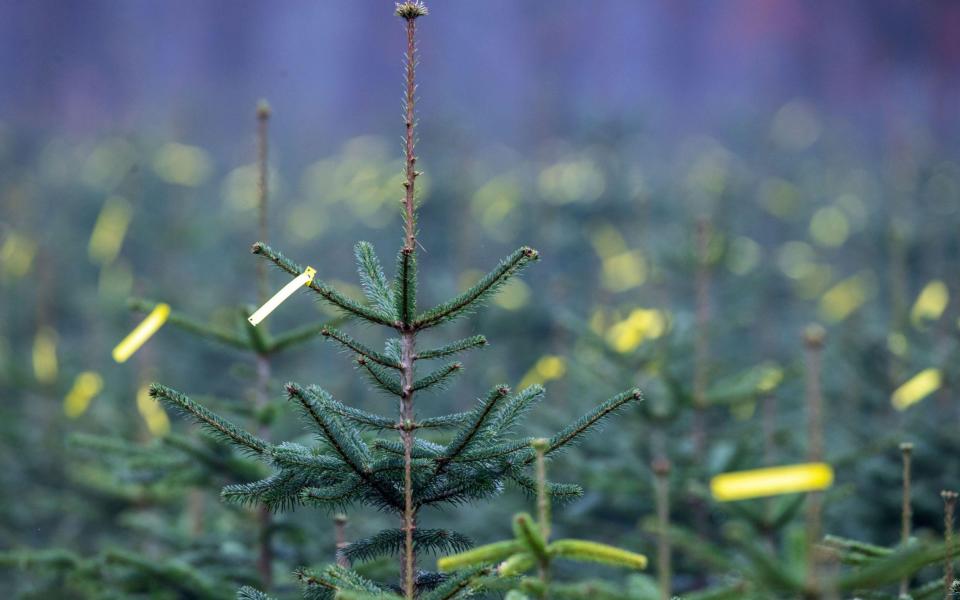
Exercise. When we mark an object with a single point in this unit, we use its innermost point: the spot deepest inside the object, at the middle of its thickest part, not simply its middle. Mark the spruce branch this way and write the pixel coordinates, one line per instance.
(248, 593)
(335, 579)
(298, 335)
(457, 583)
(444, 421)
(343, 440)
(405, 286)
(481, 555)
(332, 497)
(192, 325)
(572, 432)
(335, 438)
(473, 427)
(390, 542)
(374, 283)
(438, 378)
(530, 534)
(892, 568)
(560, 493)
(236, 467)
(177, 575)
(380, 377)
(280, 491)
(421, 448)
(364, 419)
(351, 344)
(495, 451)
(219, 426)
(584, 551)
(395, 464)
(326, 292)
(54, 558)
(289, 455)
(515, 408)
(354, 595)
(482, 290)
(476, 341)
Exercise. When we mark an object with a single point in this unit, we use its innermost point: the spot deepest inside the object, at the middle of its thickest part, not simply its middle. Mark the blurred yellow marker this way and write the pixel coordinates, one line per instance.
(16, 255)
(931, 302)
(141, 333)
(45, 355)
(305, 278)
(548, 368)
(109, 230)
(916, 388)
(757, 483)
(153, 414)
(87, 385)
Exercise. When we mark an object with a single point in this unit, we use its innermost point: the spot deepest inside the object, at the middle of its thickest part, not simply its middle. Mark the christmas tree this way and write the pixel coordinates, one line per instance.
(408, 462)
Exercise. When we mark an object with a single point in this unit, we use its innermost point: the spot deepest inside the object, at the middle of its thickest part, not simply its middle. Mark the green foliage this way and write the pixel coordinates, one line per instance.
(531, 548)
(481, 291)
(216, 425)
(349, 464)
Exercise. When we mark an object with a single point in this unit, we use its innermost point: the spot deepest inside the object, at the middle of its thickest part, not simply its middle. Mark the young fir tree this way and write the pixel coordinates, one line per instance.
(188, 562)
(404, 463)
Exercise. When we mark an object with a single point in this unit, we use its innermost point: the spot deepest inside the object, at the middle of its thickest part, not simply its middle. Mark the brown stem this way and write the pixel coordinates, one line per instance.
(409, 11)
(409, 123)
(906, 511)
(813, 341)
(407, 340)
(263, 117)
(661, 482)
(262, 398)
(265, 555)
(540, 447)
(701, 356)
(949, 504)
(702, 341)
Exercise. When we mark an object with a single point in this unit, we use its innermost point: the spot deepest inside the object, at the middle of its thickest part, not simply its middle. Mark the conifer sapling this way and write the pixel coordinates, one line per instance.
(358, 458)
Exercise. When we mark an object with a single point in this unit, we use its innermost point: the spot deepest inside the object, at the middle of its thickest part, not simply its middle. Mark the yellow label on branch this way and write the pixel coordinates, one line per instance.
(758, 483)
(45, 355)
(141, 333)
(916, 388)
(153, 414)
(85, 387)
(16, 255)
(109, 230)
(548, 368)
(931, 302)
(305, 278)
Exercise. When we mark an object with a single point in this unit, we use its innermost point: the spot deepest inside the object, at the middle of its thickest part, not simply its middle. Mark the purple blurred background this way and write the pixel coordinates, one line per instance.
(508, 71)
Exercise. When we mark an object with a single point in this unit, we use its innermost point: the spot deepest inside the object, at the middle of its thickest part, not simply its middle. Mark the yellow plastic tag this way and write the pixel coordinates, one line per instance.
(86, 386)
(916, 388)
(153, 414)
(757, 483)
(45, 364)
(109, 230)
(141, 333)
(305, 278)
